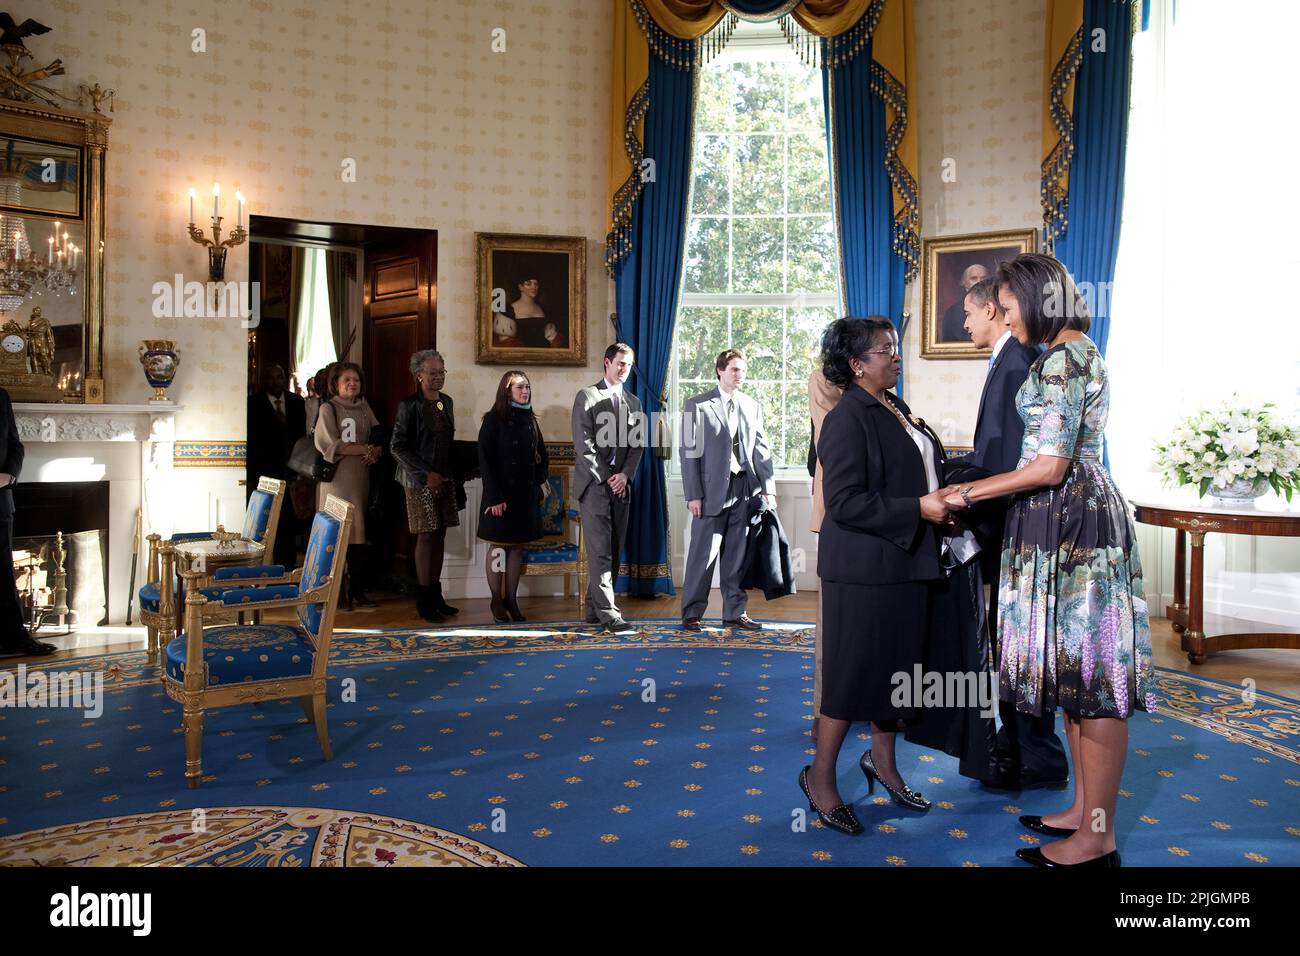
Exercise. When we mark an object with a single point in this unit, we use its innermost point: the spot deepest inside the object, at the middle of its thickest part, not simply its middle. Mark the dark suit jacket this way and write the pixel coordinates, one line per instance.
(999, 431)
(767, 558)
(269, 442)
(13, 454)
(872, 481)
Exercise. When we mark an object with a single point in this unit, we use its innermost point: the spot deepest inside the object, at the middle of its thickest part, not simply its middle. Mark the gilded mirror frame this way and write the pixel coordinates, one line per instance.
(88, 133)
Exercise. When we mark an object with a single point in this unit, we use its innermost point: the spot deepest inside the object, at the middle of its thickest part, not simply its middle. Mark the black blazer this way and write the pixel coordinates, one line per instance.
(767, 564)
(999, 431)
(419, 448)
(872, 480)
(13, 454)
(269, 442)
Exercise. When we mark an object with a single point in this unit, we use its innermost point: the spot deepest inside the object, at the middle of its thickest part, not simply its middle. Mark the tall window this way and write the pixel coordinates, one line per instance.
(761, 271)
(1202, 300)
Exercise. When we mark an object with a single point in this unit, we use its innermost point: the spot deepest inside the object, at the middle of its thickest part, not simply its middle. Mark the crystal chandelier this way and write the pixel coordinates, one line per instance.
(23, 274)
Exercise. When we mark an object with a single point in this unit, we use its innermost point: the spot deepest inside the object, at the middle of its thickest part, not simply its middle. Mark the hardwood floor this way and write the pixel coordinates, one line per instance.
(1273, 671)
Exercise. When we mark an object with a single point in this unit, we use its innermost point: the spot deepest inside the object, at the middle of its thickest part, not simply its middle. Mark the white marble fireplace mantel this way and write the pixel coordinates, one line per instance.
(38, 421)
(130, 446)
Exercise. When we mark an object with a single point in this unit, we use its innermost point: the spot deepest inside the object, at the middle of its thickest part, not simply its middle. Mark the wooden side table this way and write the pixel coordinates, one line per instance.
(1188, 515)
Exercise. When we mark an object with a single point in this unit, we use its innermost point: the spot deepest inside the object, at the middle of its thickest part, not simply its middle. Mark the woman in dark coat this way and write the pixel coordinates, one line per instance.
(435, 491)
(884, 547)
(512, 459)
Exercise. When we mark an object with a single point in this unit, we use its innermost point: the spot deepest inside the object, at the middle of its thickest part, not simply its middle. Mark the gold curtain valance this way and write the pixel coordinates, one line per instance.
(691, 19)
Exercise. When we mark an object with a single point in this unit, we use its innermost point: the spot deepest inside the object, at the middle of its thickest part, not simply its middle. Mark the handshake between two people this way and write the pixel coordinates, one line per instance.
(943, 506)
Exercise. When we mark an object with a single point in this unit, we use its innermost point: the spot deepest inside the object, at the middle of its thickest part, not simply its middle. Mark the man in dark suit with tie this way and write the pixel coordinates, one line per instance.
(609, 437)
(14, 636)
(726, 462)
(276, 419)
(1029, 752)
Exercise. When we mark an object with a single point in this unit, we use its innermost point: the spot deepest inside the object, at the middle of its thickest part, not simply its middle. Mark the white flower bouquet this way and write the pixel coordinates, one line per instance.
(1237, 450)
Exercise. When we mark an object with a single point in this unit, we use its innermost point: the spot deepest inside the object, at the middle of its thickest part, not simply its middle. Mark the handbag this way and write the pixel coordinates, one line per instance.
(306, 461)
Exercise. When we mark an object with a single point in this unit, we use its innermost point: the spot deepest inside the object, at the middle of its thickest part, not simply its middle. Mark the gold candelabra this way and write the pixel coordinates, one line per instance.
(217, 247)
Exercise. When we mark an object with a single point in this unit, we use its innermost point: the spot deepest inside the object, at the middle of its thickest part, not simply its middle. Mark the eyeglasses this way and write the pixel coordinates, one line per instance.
(891, 351)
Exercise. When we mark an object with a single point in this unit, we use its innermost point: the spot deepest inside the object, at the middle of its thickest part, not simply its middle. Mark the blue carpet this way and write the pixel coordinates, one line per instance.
(542, 744)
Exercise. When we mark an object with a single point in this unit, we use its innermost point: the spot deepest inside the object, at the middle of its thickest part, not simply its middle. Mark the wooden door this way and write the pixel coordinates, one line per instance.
(399, 317)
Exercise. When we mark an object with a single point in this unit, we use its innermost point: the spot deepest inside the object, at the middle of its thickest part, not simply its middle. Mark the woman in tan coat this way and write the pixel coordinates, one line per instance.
(342, 436)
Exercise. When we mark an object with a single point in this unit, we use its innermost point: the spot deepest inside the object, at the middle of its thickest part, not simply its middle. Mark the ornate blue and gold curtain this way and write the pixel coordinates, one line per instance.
(1087, 84)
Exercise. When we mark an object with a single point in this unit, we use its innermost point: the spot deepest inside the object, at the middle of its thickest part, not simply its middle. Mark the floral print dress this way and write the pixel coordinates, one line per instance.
(1072, 612)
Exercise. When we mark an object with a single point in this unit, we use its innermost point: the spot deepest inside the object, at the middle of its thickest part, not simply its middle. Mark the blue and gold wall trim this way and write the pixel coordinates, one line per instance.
(209, 454)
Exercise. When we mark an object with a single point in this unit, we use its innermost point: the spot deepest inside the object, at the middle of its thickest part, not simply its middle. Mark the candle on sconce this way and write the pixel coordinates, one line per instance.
(216, 200)
(191, 206)
(239, 219)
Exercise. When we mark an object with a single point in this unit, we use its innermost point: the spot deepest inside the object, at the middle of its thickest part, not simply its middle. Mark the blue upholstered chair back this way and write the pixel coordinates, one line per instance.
(258, 515)
(323, 558)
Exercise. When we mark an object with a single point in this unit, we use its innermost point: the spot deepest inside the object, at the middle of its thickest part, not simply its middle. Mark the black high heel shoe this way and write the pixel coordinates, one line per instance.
(512, 608)
(1034, 855)
(907, 797)
(499, 612)
(841, 818)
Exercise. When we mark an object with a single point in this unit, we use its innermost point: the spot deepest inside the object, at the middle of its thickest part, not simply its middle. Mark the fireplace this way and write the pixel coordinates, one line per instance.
(67, 518)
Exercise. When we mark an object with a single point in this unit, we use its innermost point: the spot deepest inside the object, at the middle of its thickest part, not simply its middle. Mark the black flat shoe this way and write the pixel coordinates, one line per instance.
(29, 648)
(907, 797)
(1034, 855)
(1038, 826)
(841, 818)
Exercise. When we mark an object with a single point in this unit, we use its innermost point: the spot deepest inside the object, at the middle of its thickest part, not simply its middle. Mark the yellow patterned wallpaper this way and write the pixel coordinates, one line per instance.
(980, 75)
(446, 134)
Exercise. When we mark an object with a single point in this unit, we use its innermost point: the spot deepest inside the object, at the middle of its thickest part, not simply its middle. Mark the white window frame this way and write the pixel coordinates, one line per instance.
(756, 44)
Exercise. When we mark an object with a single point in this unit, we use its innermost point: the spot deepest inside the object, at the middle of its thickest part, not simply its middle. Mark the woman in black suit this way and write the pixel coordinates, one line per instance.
(513, 461)
(878, 551)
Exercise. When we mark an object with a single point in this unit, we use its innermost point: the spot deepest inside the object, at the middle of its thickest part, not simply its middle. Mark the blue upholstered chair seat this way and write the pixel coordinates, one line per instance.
(555, 555)
(151, 595)
(239, 653)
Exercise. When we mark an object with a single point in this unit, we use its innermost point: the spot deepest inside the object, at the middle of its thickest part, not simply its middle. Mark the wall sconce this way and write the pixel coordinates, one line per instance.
(216, 245)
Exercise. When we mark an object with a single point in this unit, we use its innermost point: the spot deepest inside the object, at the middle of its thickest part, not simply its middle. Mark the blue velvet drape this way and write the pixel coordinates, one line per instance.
(646, 288)
(871, 274)
(1090, 244)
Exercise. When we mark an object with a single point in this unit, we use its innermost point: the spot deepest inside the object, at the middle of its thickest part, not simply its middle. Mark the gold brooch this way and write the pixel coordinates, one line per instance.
(439, 405)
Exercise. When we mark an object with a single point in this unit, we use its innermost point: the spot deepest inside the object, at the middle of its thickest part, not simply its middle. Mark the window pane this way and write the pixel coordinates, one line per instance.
(768, 396)
(813, 265)
(701, 333)
(805, 104)
(809, 174)
(758, 97)
(712, 165)
(706, 255)
(798, 426)
(803, 337)
(757, 254)
(686, 391)
(713, 109)
(760, 169)
(757, 333)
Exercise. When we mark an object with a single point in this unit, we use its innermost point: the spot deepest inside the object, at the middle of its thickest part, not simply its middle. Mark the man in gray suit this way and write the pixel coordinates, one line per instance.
(609, 437)
(725, 463)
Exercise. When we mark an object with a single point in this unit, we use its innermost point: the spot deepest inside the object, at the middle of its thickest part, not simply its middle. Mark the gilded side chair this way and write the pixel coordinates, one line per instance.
(250, 663)
(556, 552)
(261, 519)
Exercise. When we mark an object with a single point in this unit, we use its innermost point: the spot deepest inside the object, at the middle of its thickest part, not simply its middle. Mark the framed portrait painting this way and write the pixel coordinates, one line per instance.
(532, 299)
(950, 266)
